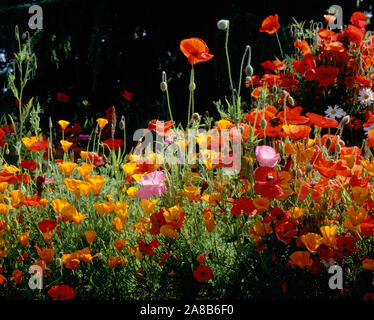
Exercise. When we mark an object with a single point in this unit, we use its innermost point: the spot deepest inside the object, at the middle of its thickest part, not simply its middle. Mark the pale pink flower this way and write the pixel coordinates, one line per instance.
(266, 156)
(152, 185)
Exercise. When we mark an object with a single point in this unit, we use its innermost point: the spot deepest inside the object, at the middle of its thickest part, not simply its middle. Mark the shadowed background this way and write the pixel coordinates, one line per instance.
(92, 50)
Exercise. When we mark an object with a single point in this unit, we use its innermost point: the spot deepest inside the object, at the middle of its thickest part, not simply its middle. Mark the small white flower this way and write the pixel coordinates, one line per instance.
(334, 112)
(366, 96)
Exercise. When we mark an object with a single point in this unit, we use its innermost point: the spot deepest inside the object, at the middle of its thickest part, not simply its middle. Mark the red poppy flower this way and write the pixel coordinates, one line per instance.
(28, 164)
(196, 50)
(270, 24)
(157, 220)
(322, 122)
(267, 182)
(76, 128)
(358, 19)
(306, 66)
(127, 95)
(346, 245)
(113, 143)
(297, 132)
(203, 273)
(303, 46)
(62, 97)
(2, 279)
(242, 205)
(273, 65)
(160, 127)
(47, 225)
(147, 248)
(61, 292)
(326, 75)
(8, 128)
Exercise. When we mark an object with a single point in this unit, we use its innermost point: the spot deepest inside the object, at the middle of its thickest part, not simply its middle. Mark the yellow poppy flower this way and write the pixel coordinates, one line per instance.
(121, 210)
(85, 170)
(131, 192)
(102, 122)
(65, 145)
(191, 192)
(148, 206)
(117, 224)
(67, 168)
(312, 241)
(97, 184)
(63, 124)
(328, 234)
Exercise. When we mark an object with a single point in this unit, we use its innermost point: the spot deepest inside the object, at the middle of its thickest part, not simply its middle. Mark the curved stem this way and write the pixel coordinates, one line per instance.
(228, 64)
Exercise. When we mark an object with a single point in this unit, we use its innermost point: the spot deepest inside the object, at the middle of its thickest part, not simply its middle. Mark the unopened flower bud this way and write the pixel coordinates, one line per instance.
(308, 168)
(328, 142)
(50, 123)
(263, 124)
(122, 123)
(338, 148)
(7, 151)
(249, 70)
(192, 86)
(346, 120)
(223, 24)
(195, 116)
(163, 86)
(290, 101)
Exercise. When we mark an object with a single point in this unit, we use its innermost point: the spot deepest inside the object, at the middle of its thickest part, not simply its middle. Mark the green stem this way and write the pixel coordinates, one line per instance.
(228, 64)
(280, 47)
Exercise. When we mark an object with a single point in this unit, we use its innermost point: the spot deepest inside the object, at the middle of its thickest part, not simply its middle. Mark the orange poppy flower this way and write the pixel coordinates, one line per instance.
(24, 239)
(17, 276)
(297, 132)
(301, 259)
(196, 50)
(120, 244)
(90, 236)
(270, 25)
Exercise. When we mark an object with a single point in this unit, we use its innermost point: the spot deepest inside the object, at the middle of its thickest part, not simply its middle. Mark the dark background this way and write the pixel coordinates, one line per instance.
(91, 50)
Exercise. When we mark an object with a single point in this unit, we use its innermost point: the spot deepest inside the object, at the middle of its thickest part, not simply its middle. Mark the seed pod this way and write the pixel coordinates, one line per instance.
(223, 24)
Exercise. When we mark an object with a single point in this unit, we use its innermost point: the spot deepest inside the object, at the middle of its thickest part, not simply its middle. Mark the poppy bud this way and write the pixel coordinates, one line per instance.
(247, 79)
(346, 120)
(308, 168)
(50, 123)
(122, 123)
(290, 101)
(263, 124)
(192, 86)
(195, 116)
(249, 70)
(223, 24)
(163, 86)
(204, 186)
(328, 142)
(338, 148)
(207, 114)
(7, 151)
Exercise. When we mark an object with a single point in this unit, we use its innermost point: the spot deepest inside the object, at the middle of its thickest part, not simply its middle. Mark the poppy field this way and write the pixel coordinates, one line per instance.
(258, 204)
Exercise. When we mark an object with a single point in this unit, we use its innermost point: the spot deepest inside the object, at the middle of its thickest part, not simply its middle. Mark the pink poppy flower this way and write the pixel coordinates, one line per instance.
(266, 156)
(152, 185)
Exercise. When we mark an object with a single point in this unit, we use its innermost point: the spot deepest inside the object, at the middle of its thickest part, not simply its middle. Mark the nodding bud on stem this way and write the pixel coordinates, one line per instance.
(223, 24)
(346, 120)
(163, 86)
(122, 123)
(192, 86)
(290, 101)
(328, 142)
(249, 70)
